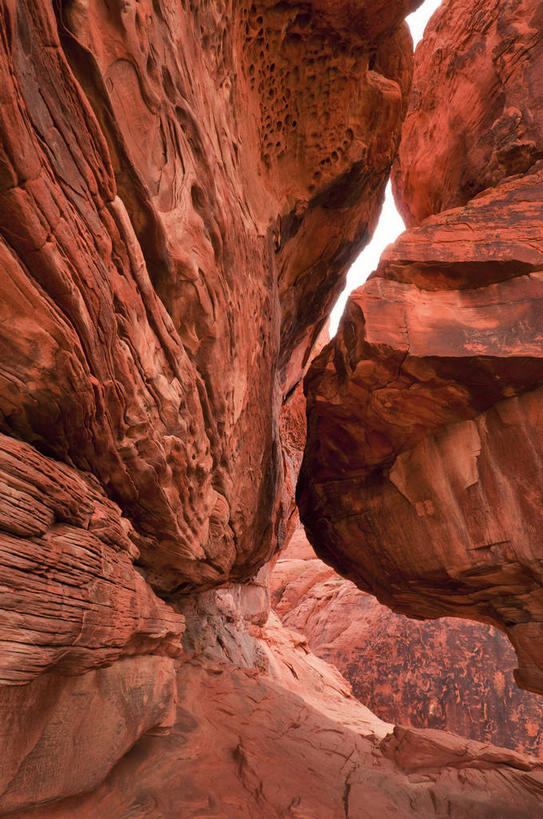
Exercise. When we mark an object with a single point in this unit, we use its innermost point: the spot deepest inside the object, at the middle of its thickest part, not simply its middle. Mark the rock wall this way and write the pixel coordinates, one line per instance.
(475, 114)
(182, 189)
(263, 728)
(448, 674)
(421, 479)
(159, 222)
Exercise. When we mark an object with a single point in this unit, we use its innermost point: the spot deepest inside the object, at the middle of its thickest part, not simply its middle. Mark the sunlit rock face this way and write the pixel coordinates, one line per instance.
(449, 673)
(422, 478)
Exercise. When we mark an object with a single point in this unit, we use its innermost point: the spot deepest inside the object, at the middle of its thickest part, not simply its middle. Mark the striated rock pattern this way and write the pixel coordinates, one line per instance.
(422, 474)
(182, 188)
(171, 190)
(71, 597)
(448, 674)
(265, 729)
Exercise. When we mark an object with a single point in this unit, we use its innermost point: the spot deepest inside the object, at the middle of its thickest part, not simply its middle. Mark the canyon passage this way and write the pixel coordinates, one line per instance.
(224, 534)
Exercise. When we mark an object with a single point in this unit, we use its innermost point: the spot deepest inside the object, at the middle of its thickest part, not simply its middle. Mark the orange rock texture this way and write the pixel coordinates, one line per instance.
(176, 221)
(448, 673)
(263, 728)
(183, 186)
(475, 114)
(422, 478)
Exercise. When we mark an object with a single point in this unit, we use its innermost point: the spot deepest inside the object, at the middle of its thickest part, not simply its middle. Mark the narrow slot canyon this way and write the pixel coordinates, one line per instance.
(271, 464)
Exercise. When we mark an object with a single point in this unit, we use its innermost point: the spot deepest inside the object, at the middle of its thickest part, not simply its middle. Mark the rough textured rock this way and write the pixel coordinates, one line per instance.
(425, 428)
(263, 728)
(448, 673)
(182, 188)
(422, 474)
(71, 597)
(476, 109)
(159, 217)
(73, 601)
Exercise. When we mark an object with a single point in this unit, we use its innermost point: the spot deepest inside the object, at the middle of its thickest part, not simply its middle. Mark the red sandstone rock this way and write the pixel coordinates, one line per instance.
(475, 114)
(265, 729)
(422, 474)
(182, 189)
(174, 184)
(181, 192)
(448, 674)
(427, 463)
(71, 597)
(61, 735)
(292, 427)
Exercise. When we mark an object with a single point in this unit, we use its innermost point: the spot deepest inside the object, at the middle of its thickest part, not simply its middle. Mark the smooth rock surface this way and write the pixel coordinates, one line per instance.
(62, 735)
(266, 729)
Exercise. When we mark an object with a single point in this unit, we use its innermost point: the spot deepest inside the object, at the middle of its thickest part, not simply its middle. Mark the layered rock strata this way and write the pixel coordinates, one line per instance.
(182, 188)
(422, 475)
(449, 674)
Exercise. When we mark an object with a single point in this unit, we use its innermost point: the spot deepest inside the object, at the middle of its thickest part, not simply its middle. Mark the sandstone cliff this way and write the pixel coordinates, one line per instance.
(422, 478)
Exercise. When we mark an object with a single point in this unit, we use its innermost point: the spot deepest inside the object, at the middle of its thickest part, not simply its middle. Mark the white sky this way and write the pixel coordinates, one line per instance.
(390, 223)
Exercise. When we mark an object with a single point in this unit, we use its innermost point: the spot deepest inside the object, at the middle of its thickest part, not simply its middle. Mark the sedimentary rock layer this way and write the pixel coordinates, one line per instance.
(422, 474)
(71, 596)
(449, 673)
(182, 188)
(476, 109)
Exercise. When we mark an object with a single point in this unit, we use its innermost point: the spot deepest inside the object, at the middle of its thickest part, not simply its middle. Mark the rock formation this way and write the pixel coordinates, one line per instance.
(182, 189)
(475, 115)
(422, 478)
(263, 728)
(449, 673)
